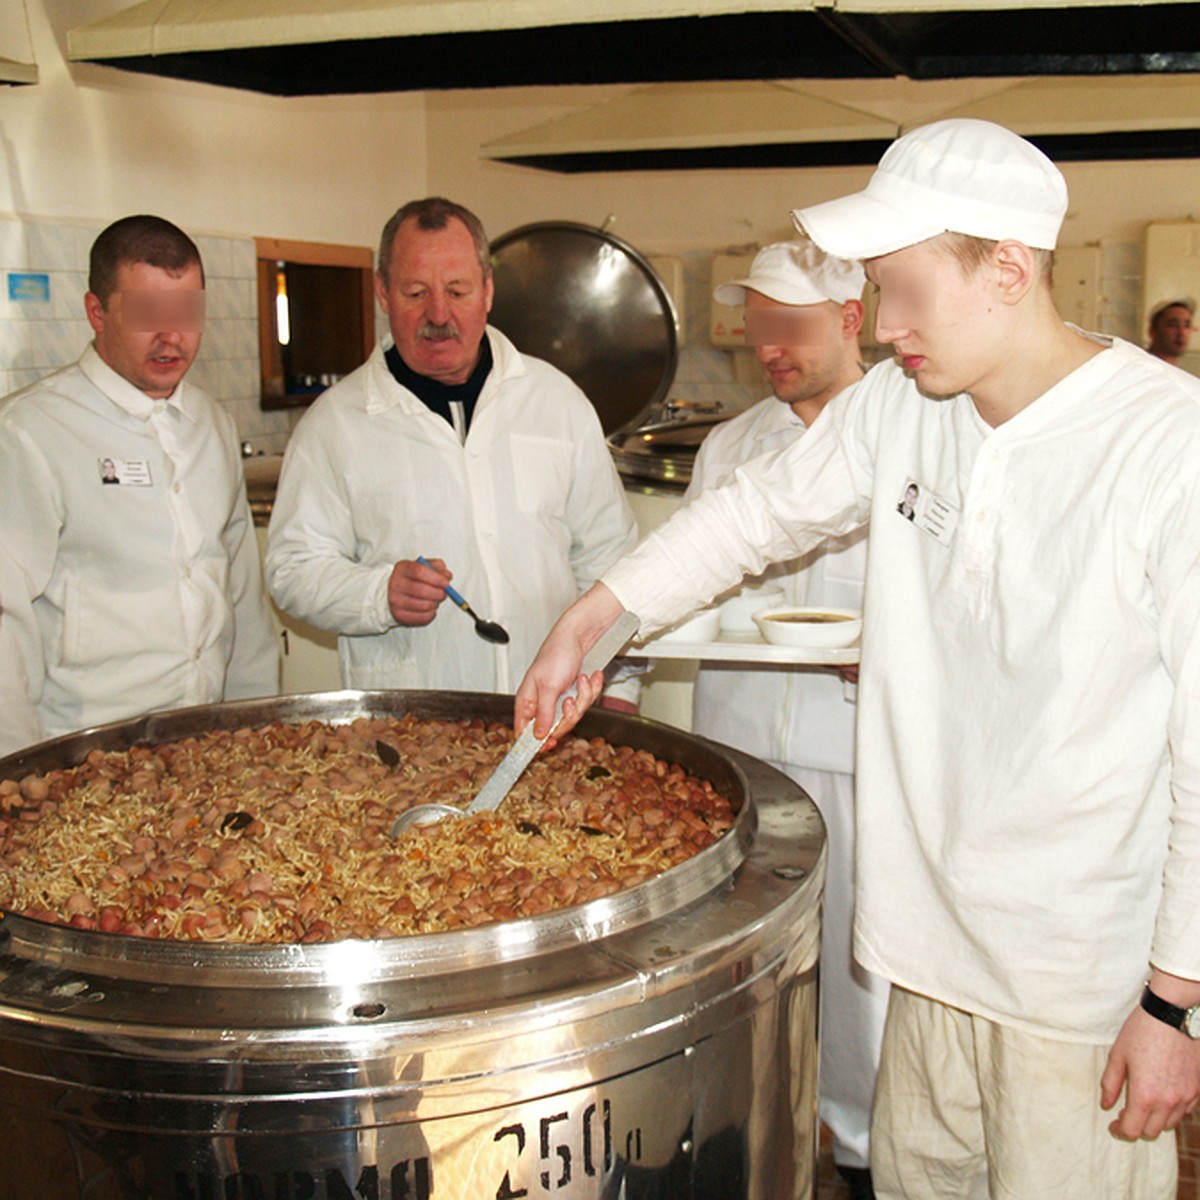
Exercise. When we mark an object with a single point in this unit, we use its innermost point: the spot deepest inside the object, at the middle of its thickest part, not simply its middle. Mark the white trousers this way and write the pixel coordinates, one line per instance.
(853, 1001)
(967, 1109)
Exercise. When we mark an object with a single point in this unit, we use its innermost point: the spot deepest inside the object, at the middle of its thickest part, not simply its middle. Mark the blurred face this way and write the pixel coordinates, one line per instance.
(149, 329)
(436, 299)
(801, 347)
(1171, 331)
(943, 324)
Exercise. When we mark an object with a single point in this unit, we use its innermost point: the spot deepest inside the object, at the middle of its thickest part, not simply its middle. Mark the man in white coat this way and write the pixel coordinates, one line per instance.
(803, 312)
(1028, 782)
(129, 573)
(450, 445)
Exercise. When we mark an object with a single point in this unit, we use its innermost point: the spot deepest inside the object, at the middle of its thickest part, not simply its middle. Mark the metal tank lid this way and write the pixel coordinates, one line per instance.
(590, 304)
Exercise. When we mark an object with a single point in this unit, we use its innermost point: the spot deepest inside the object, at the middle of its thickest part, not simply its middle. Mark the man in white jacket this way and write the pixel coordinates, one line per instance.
(803, 312)
(448, 444)
(1028, 782)
(129, 574)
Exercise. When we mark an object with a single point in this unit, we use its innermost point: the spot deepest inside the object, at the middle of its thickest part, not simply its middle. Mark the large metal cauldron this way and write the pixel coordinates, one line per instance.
(658, 1044)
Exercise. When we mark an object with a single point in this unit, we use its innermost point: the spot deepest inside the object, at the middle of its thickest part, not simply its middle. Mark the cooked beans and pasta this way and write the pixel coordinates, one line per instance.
(282, 833)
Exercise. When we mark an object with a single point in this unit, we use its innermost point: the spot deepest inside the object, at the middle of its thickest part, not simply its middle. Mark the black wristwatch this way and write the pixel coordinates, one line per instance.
(1186, 1020)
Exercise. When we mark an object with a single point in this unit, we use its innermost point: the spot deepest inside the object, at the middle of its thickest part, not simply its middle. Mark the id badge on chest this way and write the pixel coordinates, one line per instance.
(930, 513)
(124, 472)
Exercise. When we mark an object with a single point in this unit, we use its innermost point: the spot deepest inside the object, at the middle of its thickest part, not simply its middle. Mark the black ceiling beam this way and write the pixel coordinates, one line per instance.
(743, 46)
(871, 37)
(1100, 40)
(1105, 147)
(864, 153)
(822, 44)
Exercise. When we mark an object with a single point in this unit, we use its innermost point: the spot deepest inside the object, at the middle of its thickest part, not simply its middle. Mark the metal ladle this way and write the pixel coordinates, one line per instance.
(522, 751)
(490, 631)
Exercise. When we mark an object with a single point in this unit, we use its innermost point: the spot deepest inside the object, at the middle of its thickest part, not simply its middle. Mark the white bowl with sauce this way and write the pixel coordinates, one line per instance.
(824, 627)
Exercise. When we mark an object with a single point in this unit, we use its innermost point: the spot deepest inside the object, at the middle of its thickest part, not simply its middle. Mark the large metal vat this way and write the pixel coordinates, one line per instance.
(661, 1043)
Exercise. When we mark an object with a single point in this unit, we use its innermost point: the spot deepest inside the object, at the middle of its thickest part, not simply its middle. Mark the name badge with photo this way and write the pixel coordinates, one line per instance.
(124, 472)
(928, 511)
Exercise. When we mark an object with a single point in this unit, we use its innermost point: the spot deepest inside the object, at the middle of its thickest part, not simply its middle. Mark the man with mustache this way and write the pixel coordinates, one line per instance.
(450, 445)
(119, 600)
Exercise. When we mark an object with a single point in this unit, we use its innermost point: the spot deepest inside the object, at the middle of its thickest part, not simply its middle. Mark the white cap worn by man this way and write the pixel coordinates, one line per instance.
(1028, 805)
(803, 313)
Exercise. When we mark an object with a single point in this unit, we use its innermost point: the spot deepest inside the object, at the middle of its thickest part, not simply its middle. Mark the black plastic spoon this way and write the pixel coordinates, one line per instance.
(488, 630)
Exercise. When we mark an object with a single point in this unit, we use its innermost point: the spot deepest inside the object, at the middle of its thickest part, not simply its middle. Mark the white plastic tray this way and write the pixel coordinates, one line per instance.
(748, 648)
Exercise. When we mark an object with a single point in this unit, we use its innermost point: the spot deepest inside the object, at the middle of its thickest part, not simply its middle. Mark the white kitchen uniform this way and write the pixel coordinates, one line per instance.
(801, 720)
(1029, 702)
(526, 512)
(124, 597)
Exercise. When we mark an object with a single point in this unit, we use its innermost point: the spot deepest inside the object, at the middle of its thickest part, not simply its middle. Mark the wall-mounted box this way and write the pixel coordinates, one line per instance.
(725, 326)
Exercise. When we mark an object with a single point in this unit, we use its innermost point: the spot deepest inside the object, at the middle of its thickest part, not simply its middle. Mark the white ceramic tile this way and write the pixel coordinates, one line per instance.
(1121, 259)
(245, 306)
(243, 260)
(215, 254)
(245, 378)
(24, 310)
(233, 299)
(220, 301)
(704, 366)
(203, 375)
(240, 411)
(14, 251)
(14, 345)
(53, 247)
(85, 235)
(54, 344)
(218, 335)
(1120, 295)
(231, 340)
(67, 290)
(245, 340)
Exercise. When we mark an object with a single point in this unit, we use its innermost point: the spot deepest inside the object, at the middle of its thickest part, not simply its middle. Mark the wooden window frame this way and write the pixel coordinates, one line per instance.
(270, 251)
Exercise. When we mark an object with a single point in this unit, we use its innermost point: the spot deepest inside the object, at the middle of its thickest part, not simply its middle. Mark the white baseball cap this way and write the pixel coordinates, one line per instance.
(796, 273)
(1178, 302)
(957, 176)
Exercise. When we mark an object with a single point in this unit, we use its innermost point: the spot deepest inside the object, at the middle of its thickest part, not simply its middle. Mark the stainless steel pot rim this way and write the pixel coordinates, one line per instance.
(360, 962)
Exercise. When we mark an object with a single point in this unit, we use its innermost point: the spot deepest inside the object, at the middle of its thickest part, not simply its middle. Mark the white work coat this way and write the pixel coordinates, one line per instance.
(802, 716)
(122, 599)
(526, 513)
(1029, 700)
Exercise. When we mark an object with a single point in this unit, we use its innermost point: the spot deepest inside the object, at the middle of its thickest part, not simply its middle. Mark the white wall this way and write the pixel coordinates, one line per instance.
(96, 143)
(668, 212)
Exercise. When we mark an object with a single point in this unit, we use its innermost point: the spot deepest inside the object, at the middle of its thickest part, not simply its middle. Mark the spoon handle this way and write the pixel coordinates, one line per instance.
(449, 590)
(519, 756)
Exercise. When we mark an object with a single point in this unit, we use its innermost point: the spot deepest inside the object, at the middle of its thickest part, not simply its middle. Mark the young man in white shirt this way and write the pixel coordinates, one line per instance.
(1029, 709)
(802, 313)
(129, 572)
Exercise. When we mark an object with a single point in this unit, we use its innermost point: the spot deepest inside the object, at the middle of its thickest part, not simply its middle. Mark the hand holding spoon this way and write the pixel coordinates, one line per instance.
(488, 630)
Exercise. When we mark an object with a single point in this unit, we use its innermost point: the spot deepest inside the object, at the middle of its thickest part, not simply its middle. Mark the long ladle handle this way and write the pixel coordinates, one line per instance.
(513, 764)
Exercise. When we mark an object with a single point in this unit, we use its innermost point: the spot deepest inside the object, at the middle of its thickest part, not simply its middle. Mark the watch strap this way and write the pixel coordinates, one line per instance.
(1164, 1010)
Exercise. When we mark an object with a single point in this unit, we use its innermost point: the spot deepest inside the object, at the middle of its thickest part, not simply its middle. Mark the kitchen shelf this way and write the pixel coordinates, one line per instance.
(747, 648)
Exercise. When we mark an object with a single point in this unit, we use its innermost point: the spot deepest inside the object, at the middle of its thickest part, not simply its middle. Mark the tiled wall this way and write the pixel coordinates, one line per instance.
(36, 338)
(706, 375)
(1119, 308)
(39, 337)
